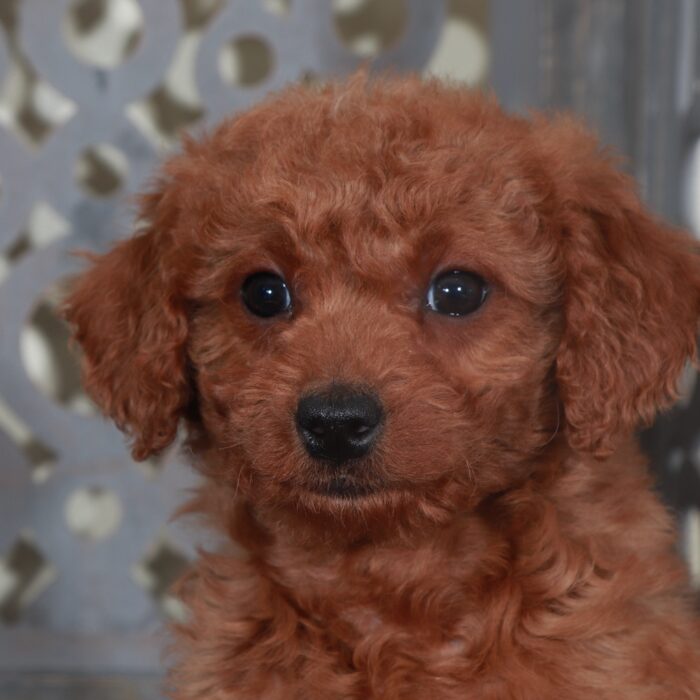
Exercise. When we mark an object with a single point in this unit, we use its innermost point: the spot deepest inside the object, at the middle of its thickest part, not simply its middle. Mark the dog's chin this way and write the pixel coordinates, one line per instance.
(342, 487)
(344, 507)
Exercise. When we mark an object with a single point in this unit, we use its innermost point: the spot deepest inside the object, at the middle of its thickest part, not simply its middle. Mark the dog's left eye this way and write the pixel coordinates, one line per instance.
(266, 294)
(456, 293)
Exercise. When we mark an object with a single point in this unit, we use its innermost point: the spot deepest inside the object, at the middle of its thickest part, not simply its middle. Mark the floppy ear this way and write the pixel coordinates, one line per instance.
(631, 294)
(128, 316)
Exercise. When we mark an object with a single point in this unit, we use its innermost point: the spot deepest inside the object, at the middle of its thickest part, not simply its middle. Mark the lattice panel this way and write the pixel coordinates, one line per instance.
(86, 550)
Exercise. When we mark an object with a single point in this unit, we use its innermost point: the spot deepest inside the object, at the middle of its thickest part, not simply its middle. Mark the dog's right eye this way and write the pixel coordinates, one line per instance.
(266, 294)
(456, 293)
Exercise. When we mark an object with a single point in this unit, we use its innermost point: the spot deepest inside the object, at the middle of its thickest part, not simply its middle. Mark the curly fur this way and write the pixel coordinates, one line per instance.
(511, 547)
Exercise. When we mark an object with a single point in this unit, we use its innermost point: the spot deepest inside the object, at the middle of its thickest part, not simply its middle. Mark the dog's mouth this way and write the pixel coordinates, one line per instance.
(343, 487)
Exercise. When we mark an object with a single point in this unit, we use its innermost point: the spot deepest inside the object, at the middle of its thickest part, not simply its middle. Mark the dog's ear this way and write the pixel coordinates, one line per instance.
(631, 294)
(128, 316)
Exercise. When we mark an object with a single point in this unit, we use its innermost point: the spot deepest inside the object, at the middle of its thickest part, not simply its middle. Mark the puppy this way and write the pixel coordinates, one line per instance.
(409, 338)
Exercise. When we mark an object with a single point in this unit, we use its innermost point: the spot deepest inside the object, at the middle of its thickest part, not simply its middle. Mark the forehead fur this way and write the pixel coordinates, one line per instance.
(408, 134)
(409, 167)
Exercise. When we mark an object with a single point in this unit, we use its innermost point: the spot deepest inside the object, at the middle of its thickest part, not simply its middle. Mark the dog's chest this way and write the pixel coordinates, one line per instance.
(411, 647)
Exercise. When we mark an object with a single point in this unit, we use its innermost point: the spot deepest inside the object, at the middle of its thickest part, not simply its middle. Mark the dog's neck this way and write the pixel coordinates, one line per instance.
(396, 580)
(422, 580)
(499, 553)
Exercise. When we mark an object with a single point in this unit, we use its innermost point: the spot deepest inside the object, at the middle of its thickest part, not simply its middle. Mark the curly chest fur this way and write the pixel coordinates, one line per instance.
(528, 609)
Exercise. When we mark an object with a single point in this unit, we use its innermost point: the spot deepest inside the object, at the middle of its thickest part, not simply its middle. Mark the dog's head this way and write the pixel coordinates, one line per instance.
(387, 298)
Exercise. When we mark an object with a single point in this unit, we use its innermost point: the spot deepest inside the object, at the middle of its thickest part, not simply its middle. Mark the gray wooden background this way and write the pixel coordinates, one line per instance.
(93, 93)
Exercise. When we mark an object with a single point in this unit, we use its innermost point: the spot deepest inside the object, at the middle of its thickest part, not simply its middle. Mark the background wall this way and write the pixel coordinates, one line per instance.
(93, 93)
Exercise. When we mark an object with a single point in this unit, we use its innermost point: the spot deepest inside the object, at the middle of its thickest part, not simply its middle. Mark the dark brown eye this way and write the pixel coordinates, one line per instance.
(265, 294)
(456, 293)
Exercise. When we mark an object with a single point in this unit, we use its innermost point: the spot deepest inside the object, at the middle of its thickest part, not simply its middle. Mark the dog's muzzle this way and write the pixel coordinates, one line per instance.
(339, 424)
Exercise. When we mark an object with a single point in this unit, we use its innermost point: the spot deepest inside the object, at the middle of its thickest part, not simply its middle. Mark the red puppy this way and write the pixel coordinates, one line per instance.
(410, 338)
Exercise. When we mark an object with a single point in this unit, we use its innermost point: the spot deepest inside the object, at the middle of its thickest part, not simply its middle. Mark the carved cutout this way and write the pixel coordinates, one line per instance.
(368, 27)
(158, 571)
(44, 226)
(278, 7)
(103, 33)
(198, 13)
(462, 52)
(246, 61)
(101, 170)
(93, 514)
(50, 363)
(40, 457)
(24, 574)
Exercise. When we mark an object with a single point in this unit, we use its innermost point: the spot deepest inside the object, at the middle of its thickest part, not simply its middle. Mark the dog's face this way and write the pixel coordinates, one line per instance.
(375, 355)
(387, 302)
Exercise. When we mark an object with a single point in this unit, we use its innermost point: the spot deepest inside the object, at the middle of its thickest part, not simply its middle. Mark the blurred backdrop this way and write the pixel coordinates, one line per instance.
(92, 94)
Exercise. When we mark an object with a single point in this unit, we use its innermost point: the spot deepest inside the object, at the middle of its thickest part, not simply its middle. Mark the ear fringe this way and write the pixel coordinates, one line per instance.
(130, 322)
(631, 296)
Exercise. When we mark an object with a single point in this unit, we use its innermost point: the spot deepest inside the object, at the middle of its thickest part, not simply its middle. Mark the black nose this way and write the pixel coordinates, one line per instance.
(339, 424)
